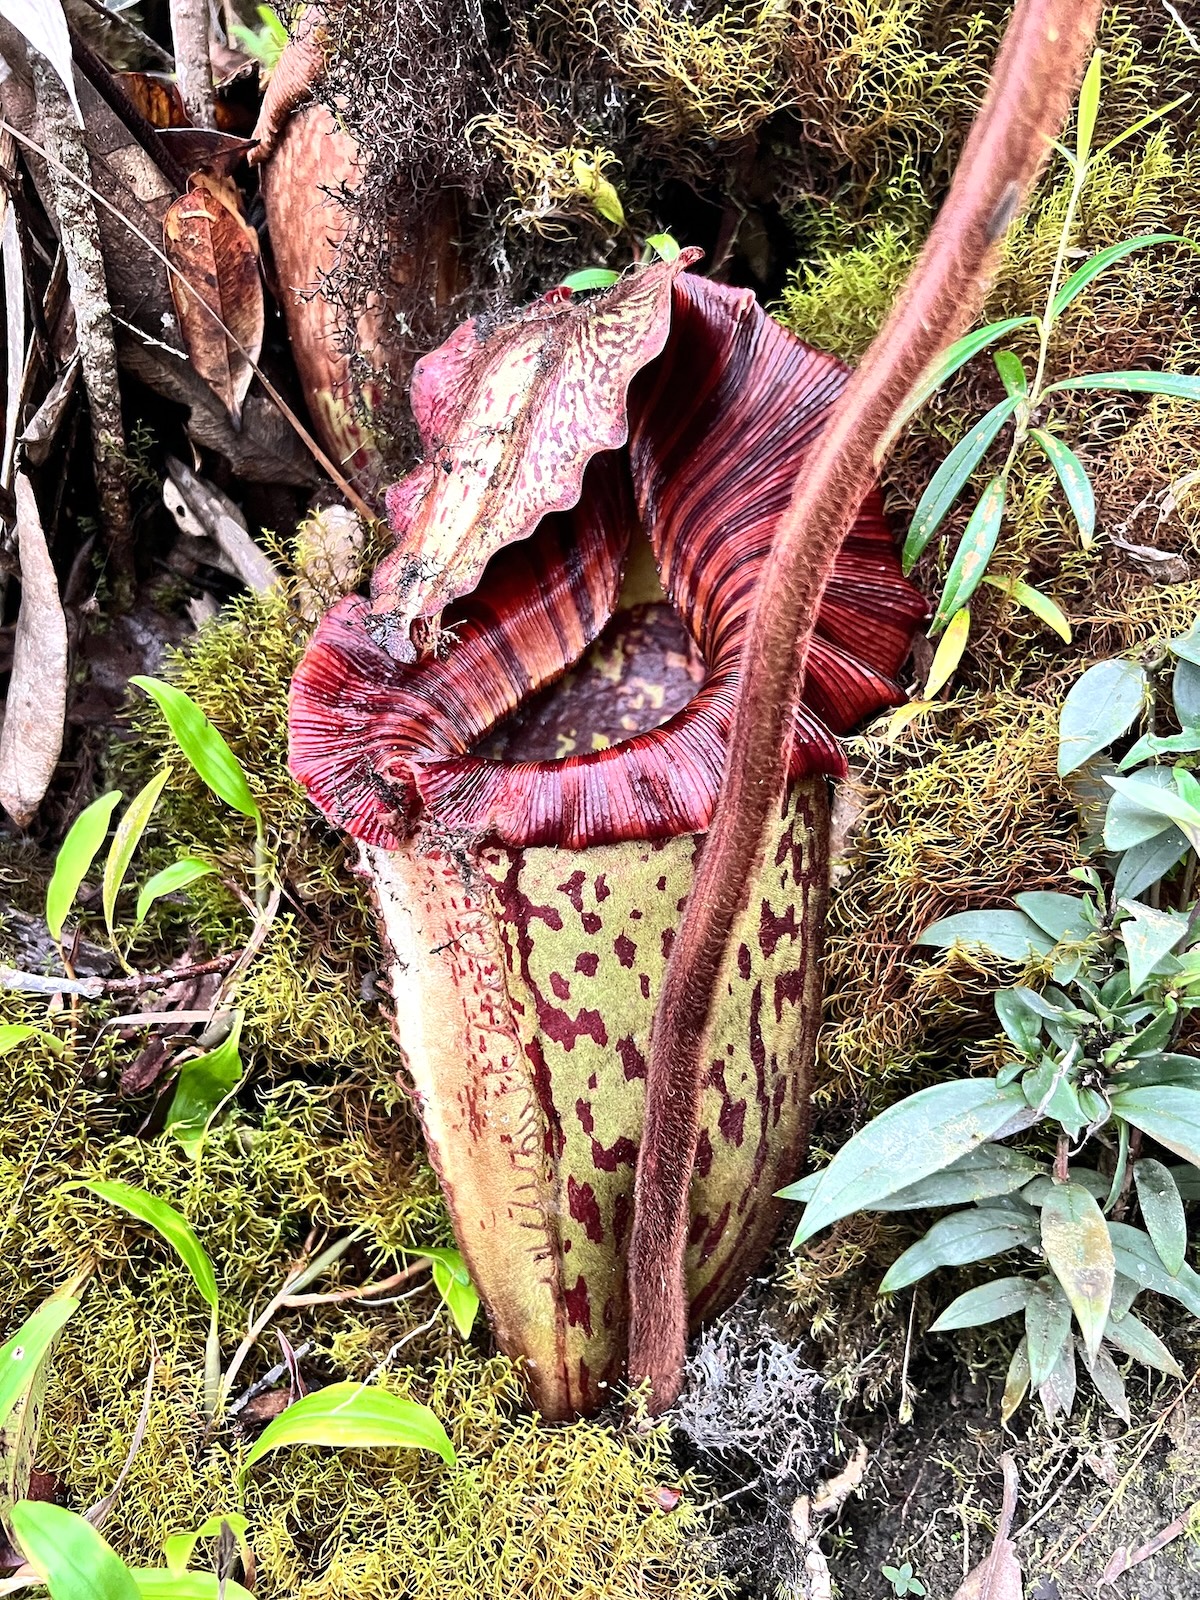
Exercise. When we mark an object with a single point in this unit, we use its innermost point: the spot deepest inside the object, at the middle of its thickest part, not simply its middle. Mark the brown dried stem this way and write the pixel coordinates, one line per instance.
(1032, 85)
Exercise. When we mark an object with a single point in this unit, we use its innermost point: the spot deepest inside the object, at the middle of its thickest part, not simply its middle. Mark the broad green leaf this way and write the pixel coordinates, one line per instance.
(1168, 1113)
(168, 1223)
(1012, 373)
(945, 366)
(1110, 1384)
(1098, 709)
(664, 245)
(1041, 605)
(1132, 818)
(1162, 1212)
(1176, 384)
(992, 1169)
(203, 746)
(23, 1352)
(990, 1302)
(1021, 1021)
(1076, 484)
(1150, 745)
(1148, 936)
(1135, 1339)
(170, 881)
(1166, 802)
(591, 278)
(1059, 915)
(67, 1553)
(1089, 105)
(1103, 259)
(126, 840)
(964, 1236)
(1187, 1181)
(1035, 1192)
(1185, 693)
(950, 478)
(157, 1583)
(13, 1034)
(1157, 1069)
(1016, 1384)
(1047, 1328)
(905, 1143)
(354, 1416)
(1077, 1246)
(974, 552)
(205, 1082)
(1186, 646)
(1137, 1259)
(948, 653)
(75, 857)
(1007, 934)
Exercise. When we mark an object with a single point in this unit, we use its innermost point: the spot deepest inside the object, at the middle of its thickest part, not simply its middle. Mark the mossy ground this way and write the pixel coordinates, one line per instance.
(858, 107)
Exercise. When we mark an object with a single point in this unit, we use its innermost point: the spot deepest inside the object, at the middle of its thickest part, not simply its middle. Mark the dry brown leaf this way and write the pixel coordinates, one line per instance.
(998, 1575)
(31, 740)
(1121, 1560)
(156, 96)
(216, 259)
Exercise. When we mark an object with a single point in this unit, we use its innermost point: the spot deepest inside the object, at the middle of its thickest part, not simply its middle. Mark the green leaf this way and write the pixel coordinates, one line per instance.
(1137, 1259)
(990, 1302)
(1149, 935)
(1077, 1245)
(1047, 1329)
(803, 1189)
(1162, 1212)
(953, 1241)
(982, 1174)
(1012, 373)
(664, 245)
(1033, 600)
(1143, 122)
(203, 746)
(67, 1553)
(1058, 1392)
(1134, 1338)
(907, 1142)
(1168, 1113)
(973, 553)
(1016, 1384)
(1021, 1020)
(1102, 260)
(13, 1034)
(205, 1083)
(1076, 484)
(1176, 384)
(1059, 915)
(948, 653)
(1151, 745)
(1089, 105)
(178, 1547)
(1185, 693)
(1166, 802)
(1186, 646)
(1109, 1384)
(168, 1223)
(354, 1416)
(170, 881)
(1187, 1181)
(1157, 1069)
(453, 1283)
(75, 857)
(1132, 818)
(1144, 864)
(1100, 707)
(948, 481)
(1011, 935)
(947, 364)
(24, 1351)
(590, 278)
(158, 1583)
(126, 840)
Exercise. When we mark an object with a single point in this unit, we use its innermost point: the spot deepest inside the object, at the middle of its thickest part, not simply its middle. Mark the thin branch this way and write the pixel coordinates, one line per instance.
(1030, 95)
(193, 63)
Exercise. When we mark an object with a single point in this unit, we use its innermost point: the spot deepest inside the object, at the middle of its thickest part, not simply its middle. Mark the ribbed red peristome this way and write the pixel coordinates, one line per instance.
(718, 430)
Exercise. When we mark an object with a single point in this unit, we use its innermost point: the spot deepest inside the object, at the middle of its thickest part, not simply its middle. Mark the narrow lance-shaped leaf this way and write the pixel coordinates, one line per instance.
(178, 1547)
(1103, 259)
(126, 840)
(203, 745)
(1110, 1384)
(906, 1143)
(946, 365)
(962, 1237)
(76, 854)
(948, 653)
(590, 278)
(67, 1553)
(1162, 1212)
(1138, 1260)
(1076, 484)
(354, 1416)
(1166, 1112)
(24, 1351)
(982, 1174)
(1088, 106)
(947, 482)
(453, 1283)
(168, 1223)
(1058, 1392)
(1134, 1338)
(1041, 605)
(1012, 373)
(1079, 1250)
(205, 1083)
(1098, 709)
(1016, 1383)
(1175, 384)
(989, 1302)
(1047, 1329)
(973, 553)
(169, 881)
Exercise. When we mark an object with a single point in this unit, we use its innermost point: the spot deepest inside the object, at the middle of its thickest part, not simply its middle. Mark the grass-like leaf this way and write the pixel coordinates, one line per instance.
(354, 1416)
(67, 1553)
(1175, 384)
(205, 1083)
(948, 481)
(168, 1223)
(990, 1302)
(1103, 259)
(1077, 1245)
(948, 653)
(169, 881)
(204, 747)
(23, 1353)
(126, 840)
(76, 854)
(1100, 706)
(1088, 106)
(947, 364)
(1076, 484)
(974, 552)
(1041, 605)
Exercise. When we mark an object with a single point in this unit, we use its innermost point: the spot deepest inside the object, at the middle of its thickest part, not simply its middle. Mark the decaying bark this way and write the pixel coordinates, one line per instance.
(1033, 82)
